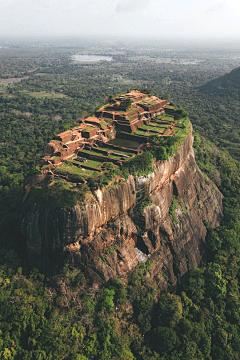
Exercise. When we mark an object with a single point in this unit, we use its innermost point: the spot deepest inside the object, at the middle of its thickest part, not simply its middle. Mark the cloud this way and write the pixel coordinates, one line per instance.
(233, 4)
(216, 7)
(125, 6)
(5, 3)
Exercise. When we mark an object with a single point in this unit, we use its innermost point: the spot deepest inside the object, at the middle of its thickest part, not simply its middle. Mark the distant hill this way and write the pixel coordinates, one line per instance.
(228, 84)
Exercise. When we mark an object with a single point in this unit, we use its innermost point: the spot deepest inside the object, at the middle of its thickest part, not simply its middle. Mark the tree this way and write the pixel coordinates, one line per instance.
(168, 310)
(126, 103)
(164, 340)
(216, 284)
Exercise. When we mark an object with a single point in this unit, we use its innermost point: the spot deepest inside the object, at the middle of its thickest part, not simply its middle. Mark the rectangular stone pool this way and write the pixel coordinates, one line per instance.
(127, 143)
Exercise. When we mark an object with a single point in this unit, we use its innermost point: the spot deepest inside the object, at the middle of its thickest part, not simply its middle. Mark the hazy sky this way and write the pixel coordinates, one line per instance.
(168, 18)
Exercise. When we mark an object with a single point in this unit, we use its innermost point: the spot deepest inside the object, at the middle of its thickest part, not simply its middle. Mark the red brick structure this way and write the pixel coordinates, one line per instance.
(143, 108)
(139, 110)
(89, 132)
(93, 120)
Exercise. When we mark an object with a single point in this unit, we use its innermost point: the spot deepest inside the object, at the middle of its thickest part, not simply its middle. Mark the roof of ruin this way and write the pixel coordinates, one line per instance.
(93, 119)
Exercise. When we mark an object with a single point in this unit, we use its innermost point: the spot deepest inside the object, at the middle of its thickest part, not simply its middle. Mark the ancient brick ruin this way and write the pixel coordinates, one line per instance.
(126, 112)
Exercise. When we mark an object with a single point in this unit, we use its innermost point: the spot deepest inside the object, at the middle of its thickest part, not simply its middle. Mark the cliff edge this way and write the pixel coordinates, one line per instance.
(156, 217)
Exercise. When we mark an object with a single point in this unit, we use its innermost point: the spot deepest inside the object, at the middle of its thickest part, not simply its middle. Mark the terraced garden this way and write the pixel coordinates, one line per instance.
(140, 133)
(103, 159)
(154, 128)
(167, 118)
(161, 124)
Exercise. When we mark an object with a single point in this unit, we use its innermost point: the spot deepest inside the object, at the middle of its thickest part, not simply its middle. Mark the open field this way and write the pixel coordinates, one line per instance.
(13, 80)
(44, 94)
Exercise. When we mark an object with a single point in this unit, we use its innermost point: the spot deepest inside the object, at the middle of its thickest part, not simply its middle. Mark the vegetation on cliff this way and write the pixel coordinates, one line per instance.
(60, 195)
(164, 147)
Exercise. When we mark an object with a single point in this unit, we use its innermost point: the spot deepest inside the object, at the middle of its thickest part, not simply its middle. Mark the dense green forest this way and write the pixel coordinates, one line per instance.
(62, 316)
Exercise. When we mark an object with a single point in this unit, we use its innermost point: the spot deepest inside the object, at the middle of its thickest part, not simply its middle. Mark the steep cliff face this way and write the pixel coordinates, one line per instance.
(112, 231)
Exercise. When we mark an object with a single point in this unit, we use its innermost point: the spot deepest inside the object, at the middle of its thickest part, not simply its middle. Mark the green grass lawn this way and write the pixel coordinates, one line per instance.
(151, 133)
(168, 118)
(93, 163)
(66, 169)
(108, 120)
(146, 127)
(92, 152)
(159, 127)
(152, 103)
(162, 126)
(140, 133)
(154, 129)
(88, 128)
(170, 107)
(168, 132)
(180, 122)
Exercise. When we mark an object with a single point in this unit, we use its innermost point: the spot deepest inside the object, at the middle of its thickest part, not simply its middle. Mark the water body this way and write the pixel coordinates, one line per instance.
(191, 62)
(91, 58)
(132, 144)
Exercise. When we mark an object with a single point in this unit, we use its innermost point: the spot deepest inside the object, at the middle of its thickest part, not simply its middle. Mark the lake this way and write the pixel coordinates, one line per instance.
(91, 58)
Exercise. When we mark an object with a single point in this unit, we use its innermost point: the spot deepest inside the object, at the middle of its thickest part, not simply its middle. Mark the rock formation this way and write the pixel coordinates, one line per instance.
(115, 228)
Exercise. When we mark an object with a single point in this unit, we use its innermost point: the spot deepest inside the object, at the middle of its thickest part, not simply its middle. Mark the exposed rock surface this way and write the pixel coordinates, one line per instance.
(108, 236)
